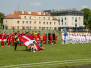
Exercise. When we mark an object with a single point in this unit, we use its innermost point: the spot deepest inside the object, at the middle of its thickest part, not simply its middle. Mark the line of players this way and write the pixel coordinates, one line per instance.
(76, 38)
(9, 38)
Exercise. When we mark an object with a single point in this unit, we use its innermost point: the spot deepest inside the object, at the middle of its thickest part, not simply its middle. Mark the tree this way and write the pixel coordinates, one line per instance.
(2, 15)
(87, 15)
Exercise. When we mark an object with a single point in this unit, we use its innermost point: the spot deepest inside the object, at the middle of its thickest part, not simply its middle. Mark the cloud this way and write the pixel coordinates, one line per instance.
(84, 6)
(35, 4)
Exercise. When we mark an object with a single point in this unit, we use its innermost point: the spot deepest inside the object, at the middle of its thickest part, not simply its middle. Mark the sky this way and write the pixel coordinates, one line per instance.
(8, 6)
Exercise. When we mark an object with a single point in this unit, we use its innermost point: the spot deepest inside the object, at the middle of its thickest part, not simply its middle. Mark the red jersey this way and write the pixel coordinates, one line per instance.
(38, 34)
(29, 33)
(0, 35)
(35, 38)
(2, 41)
(39, 38)
(44, 38)
(13, 34)
(13, 38)
(55, 38)
(51, 37)
(18, 34)
(22, 34)
(5, 36)
(9, 38)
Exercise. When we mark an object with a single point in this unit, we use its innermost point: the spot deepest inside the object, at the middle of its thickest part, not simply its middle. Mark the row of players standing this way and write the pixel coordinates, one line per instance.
(76, 37)
(9, 38)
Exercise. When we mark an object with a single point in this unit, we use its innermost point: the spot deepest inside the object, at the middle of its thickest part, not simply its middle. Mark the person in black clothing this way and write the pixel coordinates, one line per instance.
(53, 35)
(49, 37)
(46, 37)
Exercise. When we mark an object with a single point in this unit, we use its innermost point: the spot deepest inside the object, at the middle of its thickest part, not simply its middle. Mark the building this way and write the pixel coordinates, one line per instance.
(69, 19)
(30, 20)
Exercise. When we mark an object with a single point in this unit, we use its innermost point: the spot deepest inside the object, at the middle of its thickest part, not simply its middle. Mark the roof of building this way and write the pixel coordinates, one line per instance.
(16, 14)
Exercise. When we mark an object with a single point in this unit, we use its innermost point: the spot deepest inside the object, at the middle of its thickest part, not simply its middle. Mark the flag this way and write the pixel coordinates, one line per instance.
(28, 40)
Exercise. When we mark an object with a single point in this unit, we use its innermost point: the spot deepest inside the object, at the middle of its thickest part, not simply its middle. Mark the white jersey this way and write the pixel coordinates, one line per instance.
(87, 38)
(63, 37)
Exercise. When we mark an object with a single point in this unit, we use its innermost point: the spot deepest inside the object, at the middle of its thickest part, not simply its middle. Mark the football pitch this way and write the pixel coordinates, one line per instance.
(54, 56)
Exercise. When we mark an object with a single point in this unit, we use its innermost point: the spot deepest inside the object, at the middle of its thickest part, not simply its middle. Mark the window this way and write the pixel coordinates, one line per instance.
(75, 20)
(6, 22)
(23, 27)
(39, 17)
(62, 20)
(48, 18)
(43, 22)
(65, 23)
(50, 23)
(24, 17)
(23, 22)
(34, 22)
(75, 24)
(39, 27)
(44, 28)
(34, 27)
(30, 22)
(65, 18)
(18, 27)
(34, 17)
(30, 17)
(79, 23)
(62, 23)
(43, 17)
(18, 22)
(54, 23)
(58, 20)
(27, 27)
(39, 22)
(47, 23)
(26, 22)
(30, 27)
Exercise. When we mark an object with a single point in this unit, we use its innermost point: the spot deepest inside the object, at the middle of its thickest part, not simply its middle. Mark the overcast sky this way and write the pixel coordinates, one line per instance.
(8, 6)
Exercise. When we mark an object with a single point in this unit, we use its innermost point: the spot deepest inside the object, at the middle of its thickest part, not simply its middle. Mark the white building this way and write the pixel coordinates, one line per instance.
(69, 19)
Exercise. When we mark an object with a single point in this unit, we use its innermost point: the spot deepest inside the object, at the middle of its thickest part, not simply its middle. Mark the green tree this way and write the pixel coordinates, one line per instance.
(2, 15)
(87, 15)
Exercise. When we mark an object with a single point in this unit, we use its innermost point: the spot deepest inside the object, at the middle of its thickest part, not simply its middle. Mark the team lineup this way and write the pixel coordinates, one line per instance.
(76, 37)
(14, 39)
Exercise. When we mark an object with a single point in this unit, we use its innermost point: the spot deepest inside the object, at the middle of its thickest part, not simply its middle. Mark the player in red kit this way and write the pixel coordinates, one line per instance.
(12, 40)
(9, 39)
(51, 39)
(29, 33)
(5, 37)
(44, 39)
(22, 33)
(0, 35)
(13, 33)
(2, 41)
(18, 33)
(55, 39)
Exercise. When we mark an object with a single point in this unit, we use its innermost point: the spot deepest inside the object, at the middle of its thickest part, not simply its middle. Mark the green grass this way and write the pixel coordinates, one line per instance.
(58, 52)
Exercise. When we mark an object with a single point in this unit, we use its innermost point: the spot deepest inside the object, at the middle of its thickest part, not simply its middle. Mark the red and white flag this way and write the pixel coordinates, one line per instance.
(28, 40)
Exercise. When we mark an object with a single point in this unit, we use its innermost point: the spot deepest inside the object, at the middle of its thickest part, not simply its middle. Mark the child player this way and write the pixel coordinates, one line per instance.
(51, 39)
(5, 37)
(55, 38)
(2, 41)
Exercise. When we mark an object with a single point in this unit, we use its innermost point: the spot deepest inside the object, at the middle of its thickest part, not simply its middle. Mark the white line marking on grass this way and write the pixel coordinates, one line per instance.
(47, 63)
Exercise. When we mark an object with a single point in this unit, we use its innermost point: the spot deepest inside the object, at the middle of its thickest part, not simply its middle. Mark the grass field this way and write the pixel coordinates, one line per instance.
(54, 56)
